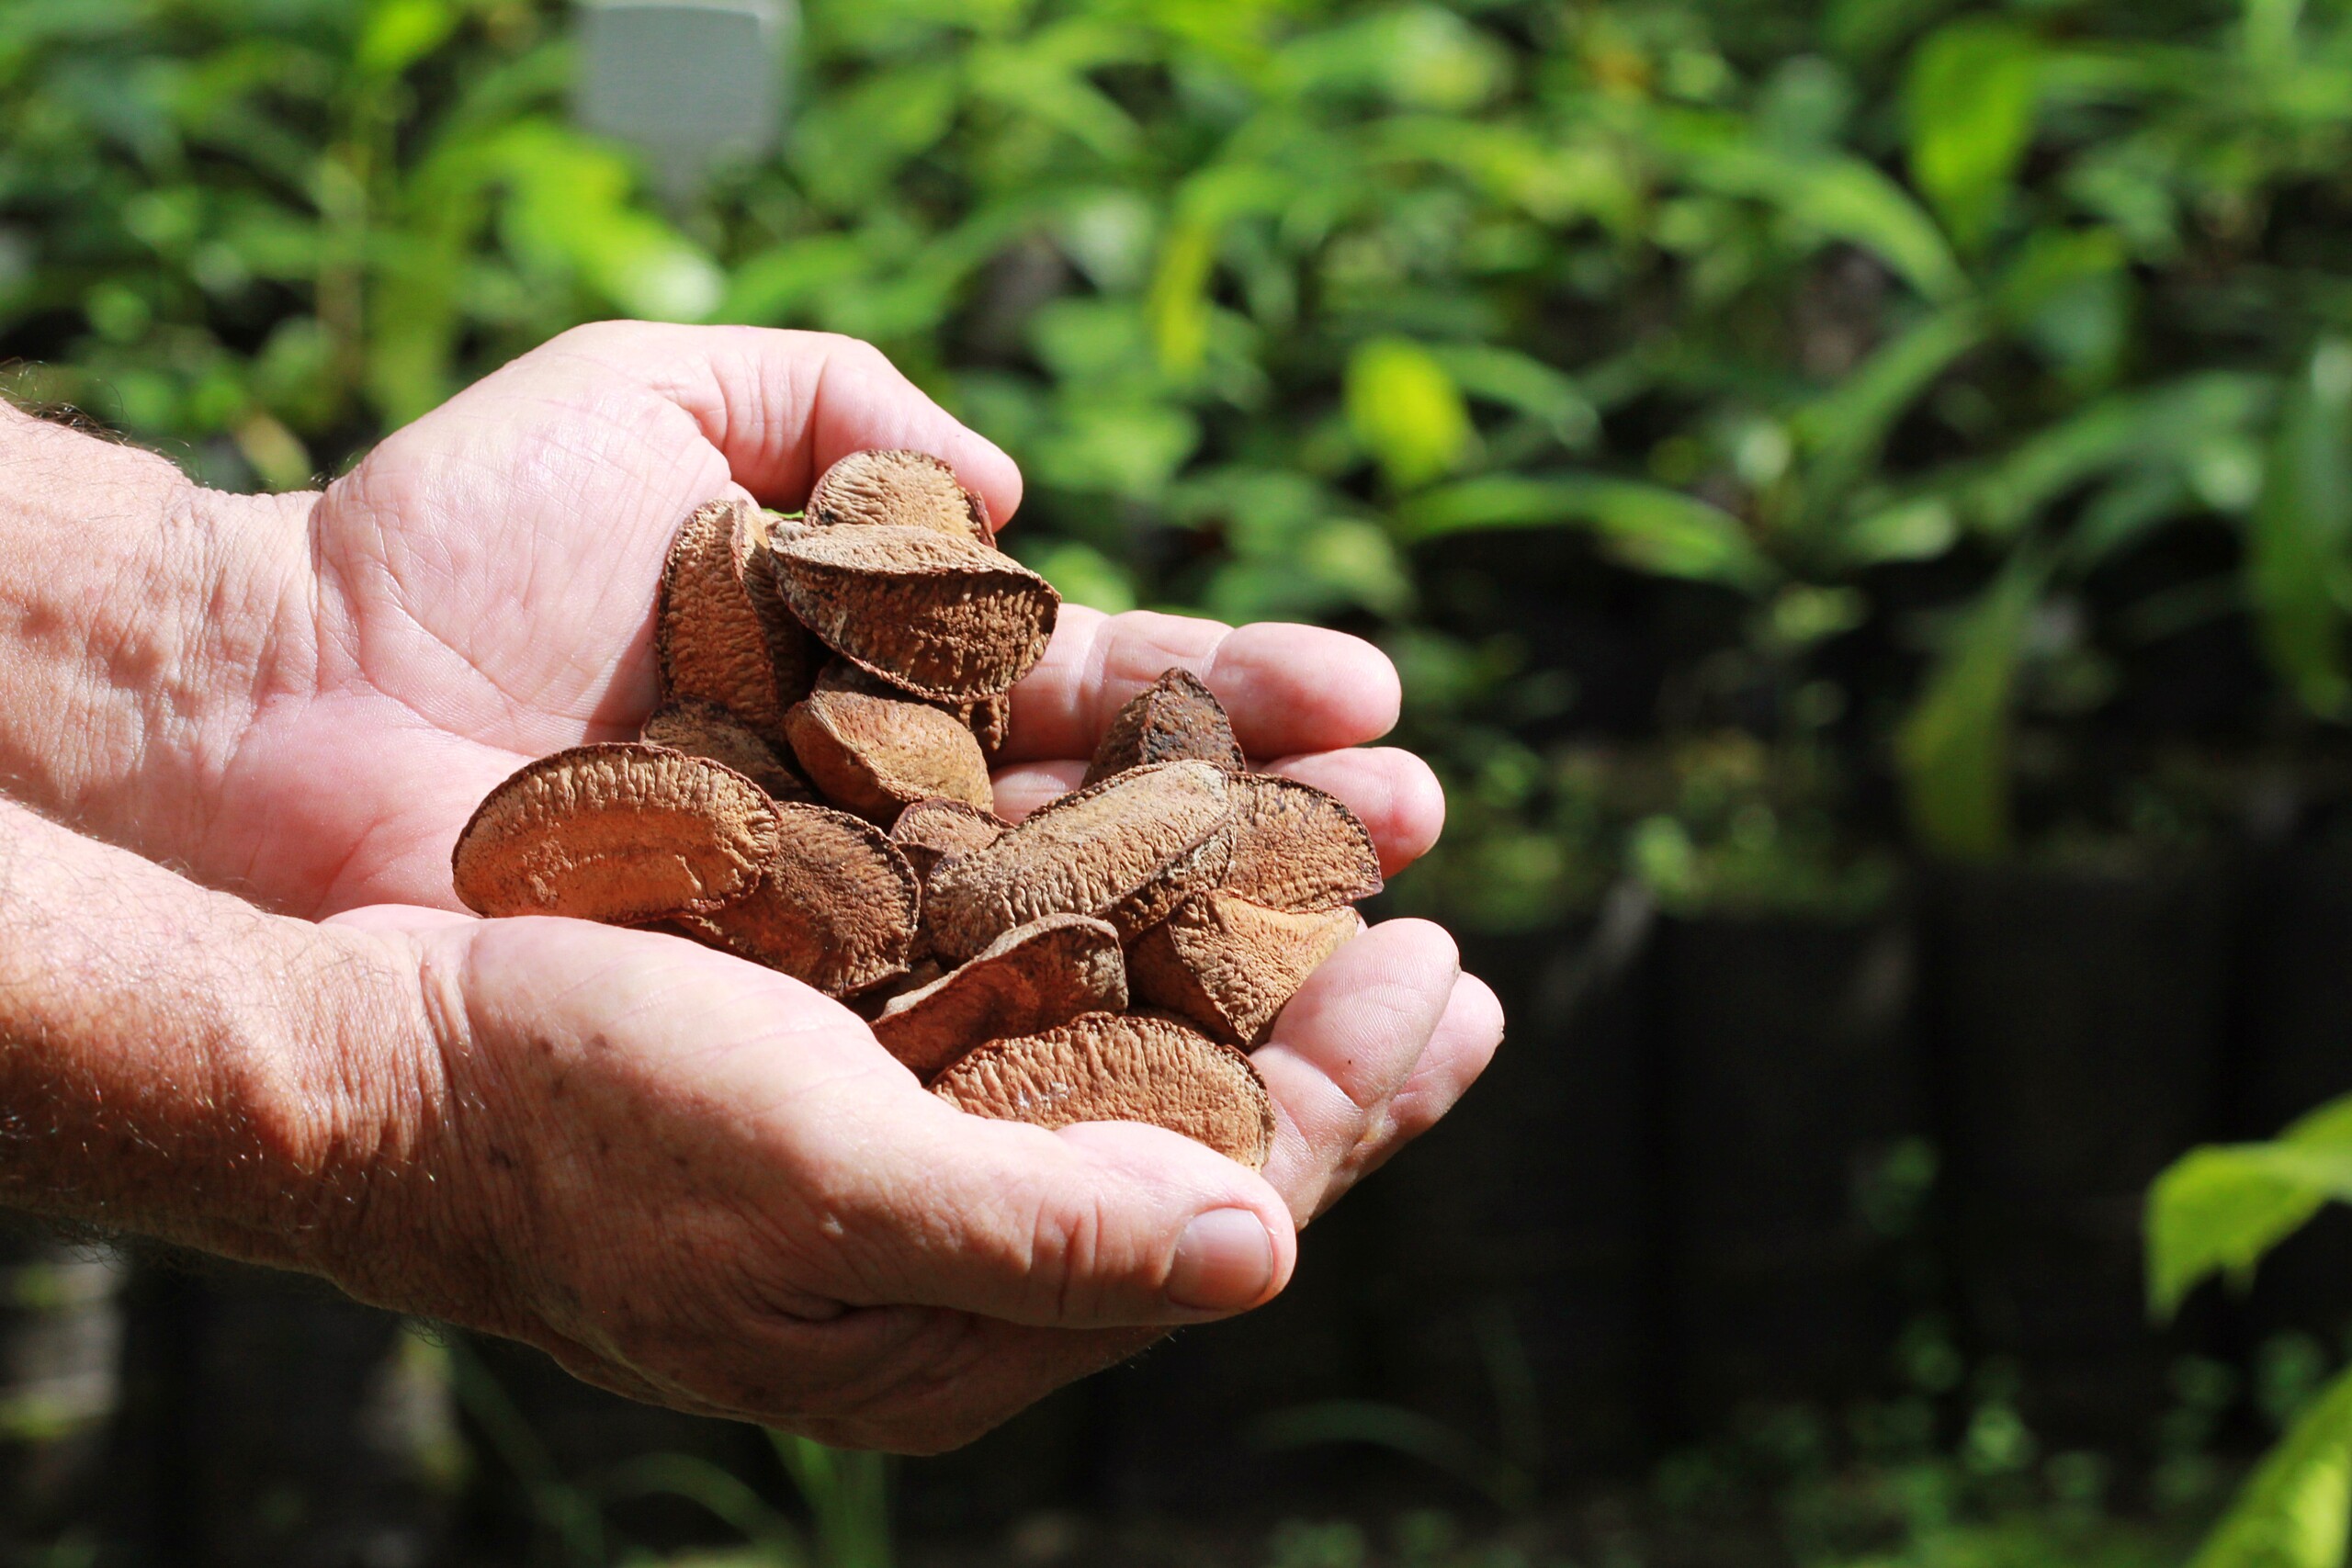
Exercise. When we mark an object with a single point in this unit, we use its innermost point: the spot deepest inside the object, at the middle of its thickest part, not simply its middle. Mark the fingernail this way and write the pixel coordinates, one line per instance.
(1224, 1262)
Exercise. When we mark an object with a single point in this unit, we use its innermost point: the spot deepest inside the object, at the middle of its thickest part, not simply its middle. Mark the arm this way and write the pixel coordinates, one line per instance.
(141, 622)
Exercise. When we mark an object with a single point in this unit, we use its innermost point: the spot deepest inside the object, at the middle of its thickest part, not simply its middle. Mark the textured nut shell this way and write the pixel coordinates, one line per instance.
(991, 721)
(835, 905)
(878, 755)
(1033, 977)
(1297, 848)
(1120, 1067)
(706, 730)
(617, 833)
(912, 488)
(1230, 966)
(1128, 851)
(945, 618)
(1174, 719)
(930, 831)
(721, 633)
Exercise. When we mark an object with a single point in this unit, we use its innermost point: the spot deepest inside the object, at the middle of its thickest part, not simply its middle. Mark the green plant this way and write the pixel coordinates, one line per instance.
(2217, 1209)
(846, 1493)
(1893, 385)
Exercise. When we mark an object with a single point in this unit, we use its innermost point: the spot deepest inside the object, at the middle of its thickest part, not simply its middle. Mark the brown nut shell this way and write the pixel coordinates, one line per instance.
(1230, 966)
(1033, 977)
(1297, 848)
(1128, 850)
(1110, 1066)
(930, 831)
(835, 905)
(991, 721)
(721, 633)
(909, 489)
(706, 730)
(878, 755)
(1176, 718)
(619, 833)
(945, 618)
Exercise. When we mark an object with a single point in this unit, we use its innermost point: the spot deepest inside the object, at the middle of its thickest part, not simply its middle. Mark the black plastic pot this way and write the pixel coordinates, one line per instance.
(2076, 1022)
(1791, 1076)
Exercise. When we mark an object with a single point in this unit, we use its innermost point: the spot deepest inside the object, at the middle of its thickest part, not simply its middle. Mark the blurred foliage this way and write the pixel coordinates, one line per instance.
(1772, 437)
(2217, 1209)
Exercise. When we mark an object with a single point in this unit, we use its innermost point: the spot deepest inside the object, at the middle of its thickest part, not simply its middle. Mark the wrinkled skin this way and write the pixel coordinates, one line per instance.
(689, 1179)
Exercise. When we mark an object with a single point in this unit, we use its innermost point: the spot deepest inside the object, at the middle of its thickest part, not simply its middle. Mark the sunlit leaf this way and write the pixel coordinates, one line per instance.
(1406, 411)
(1645, 526)
(2295, 1510)
(2218, 1208)
(1971, 99)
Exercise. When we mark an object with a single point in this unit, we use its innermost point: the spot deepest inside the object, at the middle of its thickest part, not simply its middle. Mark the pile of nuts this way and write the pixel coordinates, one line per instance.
(813, 794)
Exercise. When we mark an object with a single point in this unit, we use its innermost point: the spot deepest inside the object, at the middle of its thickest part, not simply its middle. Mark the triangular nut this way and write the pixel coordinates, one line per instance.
(1230, 966)
(1109, 1066)
(706, 730)
(1176, 718)
(930, 831)
(835, 906)
(878, 755)
(1297, 848)
(619, 833)
(1128, 850)
(908, 489)
(945, 618)
(721, 633)
(1030, 979)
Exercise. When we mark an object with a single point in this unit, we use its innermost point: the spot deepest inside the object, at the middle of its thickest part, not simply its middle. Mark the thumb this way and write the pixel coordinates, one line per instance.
(1096, 1226)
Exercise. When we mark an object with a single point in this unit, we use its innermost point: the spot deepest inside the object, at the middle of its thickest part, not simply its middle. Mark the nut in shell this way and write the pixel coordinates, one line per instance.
(1230, 966)
(1176, 718)
(619, 833)
(1033, 977)
(876, 755)
(706, 730)
(930, 831)
(834, 906)
(945, 618)
(1128, 850)
(909, 489)
(1108, 1066)
(721, 633)
(1297, 848)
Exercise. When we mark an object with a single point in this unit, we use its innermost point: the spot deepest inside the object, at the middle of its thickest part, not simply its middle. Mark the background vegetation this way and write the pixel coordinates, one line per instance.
(1771, 435)
(1782, 441)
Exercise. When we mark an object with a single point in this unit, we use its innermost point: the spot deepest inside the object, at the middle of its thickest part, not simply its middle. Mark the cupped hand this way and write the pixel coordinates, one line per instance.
(700, 1184)
(689, 1179)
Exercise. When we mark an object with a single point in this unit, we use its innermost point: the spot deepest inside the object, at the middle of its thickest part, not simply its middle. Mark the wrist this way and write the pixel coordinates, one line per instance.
(152, 617)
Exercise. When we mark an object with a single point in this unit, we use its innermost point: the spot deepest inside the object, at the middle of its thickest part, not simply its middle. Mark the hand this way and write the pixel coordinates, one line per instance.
(689, 1177)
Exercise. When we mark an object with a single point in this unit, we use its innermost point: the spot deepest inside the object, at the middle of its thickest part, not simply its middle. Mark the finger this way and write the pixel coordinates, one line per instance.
(1460, 1048)
(1344, 1046)
(1094, 1225)
(397, 919)
(1288, 688)
(1393, 792)
(783, 406)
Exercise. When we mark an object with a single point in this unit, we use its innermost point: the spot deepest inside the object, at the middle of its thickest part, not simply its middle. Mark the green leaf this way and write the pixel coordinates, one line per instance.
(1971, 99)
(2296, 1508)
(399, 33)
(1953, 750)
(2221, 1207)
(1407, 411)
(1835, 196)
(1647, 526)
(1845, 427)
(2295, 548)
(2163, 423)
